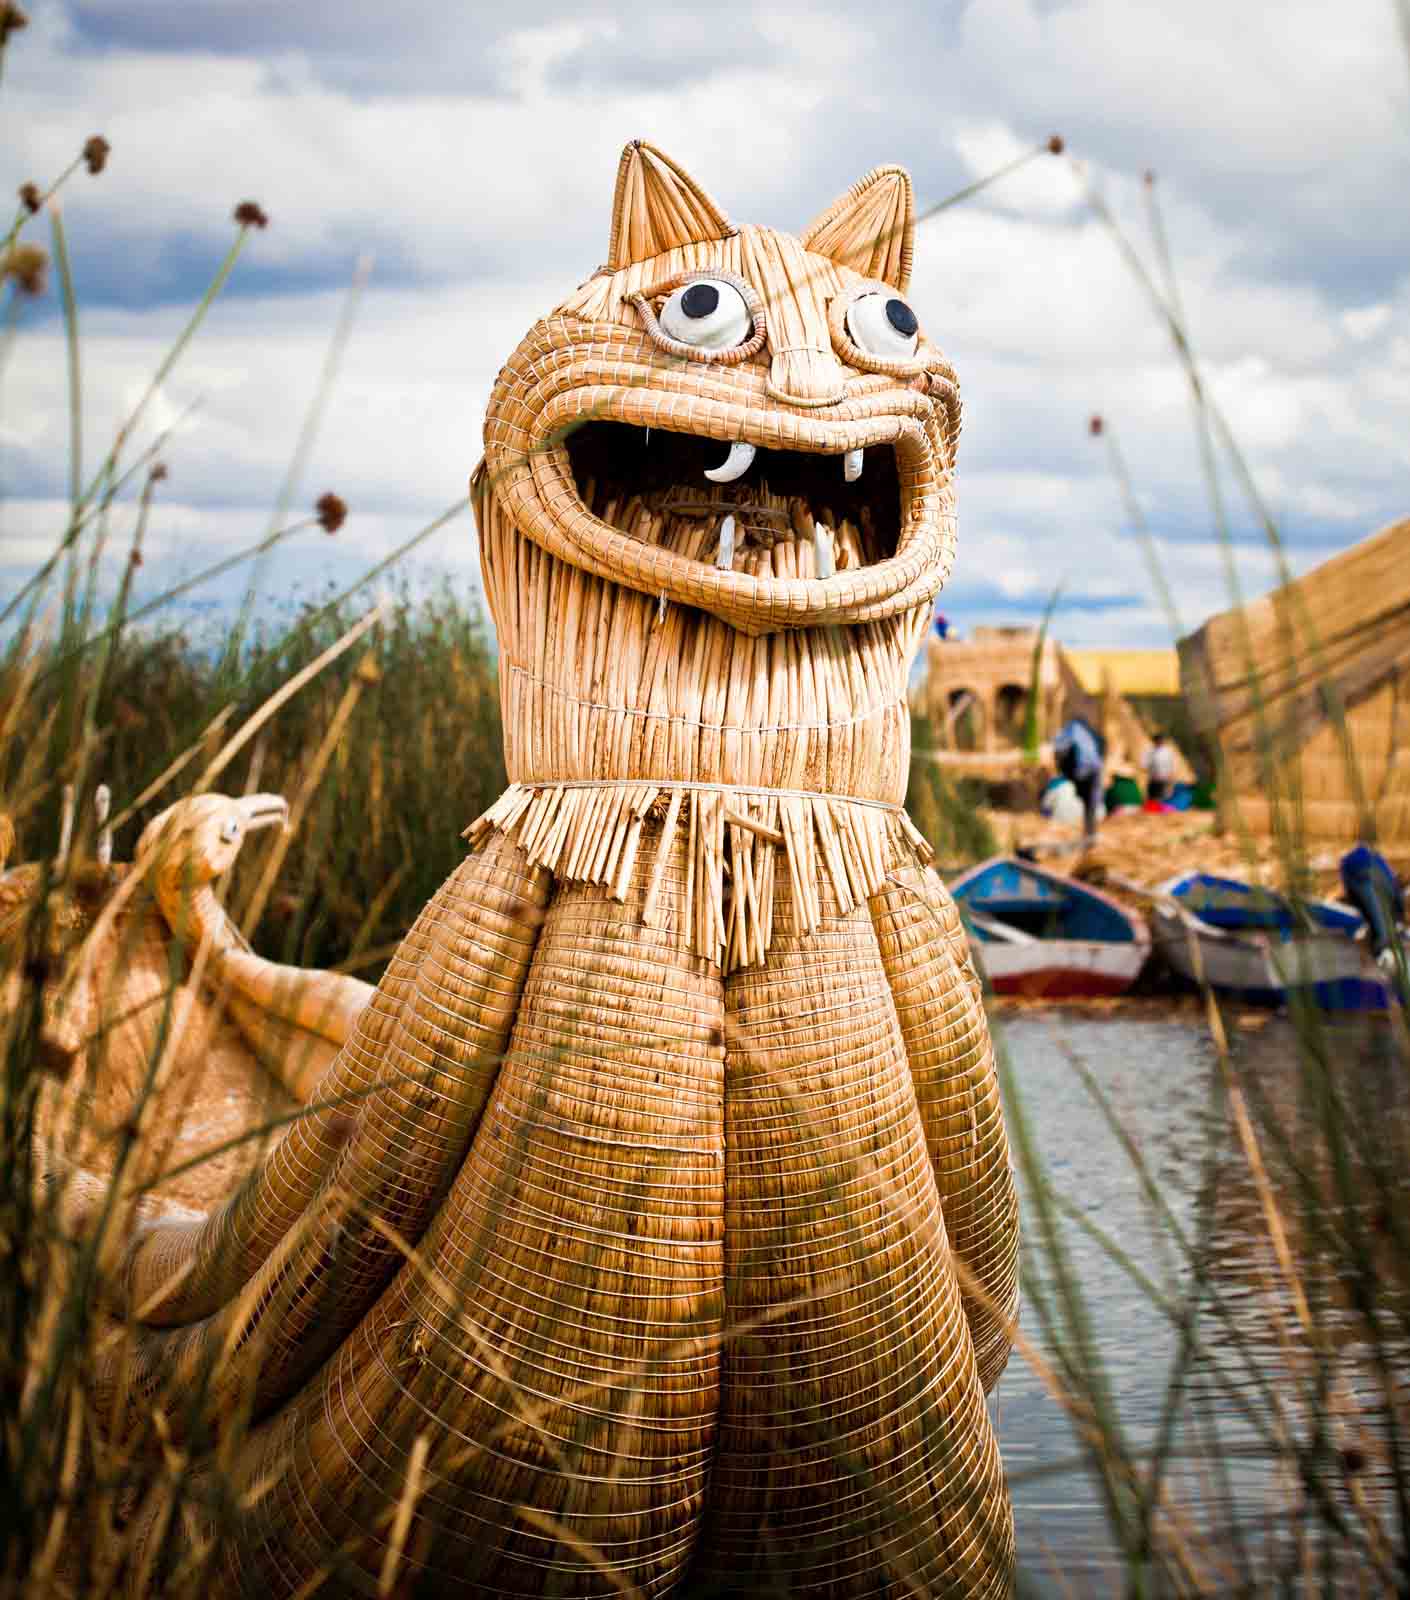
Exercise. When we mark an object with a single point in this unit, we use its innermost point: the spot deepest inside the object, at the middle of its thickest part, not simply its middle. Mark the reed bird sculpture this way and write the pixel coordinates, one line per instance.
(153, 1007)
(294, 1018)
(654, 1226)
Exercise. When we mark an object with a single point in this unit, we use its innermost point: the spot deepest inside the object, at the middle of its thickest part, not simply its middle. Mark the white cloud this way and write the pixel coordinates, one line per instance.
(476, 151)
(401, 424)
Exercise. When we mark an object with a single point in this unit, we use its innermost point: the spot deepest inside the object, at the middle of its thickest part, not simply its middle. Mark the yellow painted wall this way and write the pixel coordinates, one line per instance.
(1132, 671)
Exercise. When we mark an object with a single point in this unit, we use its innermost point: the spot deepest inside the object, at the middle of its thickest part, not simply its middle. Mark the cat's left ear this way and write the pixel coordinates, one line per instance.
(871, 228)
(658, 206)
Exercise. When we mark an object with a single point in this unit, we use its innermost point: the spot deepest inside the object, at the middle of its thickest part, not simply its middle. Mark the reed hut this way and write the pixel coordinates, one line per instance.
(1304, 695)
(976, 691)
(976, 694)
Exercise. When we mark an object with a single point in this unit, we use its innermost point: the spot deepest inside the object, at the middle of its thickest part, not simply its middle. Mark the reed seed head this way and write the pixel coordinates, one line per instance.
(30, 197)
(1094, 427)
(332, 511)
(1057, 144)
(95, 153)
(28, 265)
(158, 474)
(250, 214)
(12, 19)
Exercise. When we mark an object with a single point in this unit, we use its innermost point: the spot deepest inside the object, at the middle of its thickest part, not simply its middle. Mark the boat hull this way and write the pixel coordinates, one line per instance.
(1041, 934)
(1330, 970)
(1060, 969)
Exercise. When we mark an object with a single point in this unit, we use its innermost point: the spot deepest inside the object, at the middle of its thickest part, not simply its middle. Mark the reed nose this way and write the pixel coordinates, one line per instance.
(805, 375)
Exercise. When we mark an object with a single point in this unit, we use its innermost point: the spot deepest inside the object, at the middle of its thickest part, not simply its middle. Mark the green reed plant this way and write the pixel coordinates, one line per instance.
(409, 728)
(946, 809)
(419, 759)
(1032, 712)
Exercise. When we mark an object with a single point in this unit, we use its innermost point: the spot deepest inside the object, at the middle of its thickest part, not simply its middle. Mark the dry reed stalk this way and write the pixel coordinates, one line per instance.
(286, 692)
(406, 1505)
(313, 776)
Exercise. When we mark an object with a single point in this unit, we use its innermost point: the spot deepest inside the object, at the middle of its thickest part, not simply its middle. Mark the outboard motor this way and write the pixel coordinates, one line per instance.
(1371, 886)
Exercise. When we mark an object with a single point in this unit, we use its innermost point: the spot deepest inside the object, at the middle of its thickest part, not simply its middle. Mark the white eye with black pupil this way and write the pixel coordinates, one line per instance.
(709, 314)
(883, 325)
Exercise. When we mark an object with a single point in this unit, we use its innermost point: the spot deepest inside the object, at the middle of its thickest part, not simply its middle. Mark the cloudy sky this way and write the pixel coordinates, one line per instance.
(470, 151)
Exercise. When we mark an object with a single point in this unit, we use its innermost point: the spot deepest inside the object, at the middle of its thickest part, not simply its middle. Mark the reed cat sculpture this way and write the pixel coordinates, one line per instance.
(618, 1252)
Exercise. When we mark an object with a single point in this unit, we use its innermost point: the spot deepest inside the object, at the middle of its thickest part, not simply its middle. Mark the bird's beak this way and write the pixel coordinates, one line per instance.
(264, 811)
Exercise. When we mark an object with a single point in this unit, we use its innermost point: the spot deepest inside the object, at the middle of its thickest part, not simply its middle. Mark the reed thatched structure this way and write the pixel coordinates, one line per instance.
(976, 691)
(1306, 692)
(655, 1222)
(976, 694)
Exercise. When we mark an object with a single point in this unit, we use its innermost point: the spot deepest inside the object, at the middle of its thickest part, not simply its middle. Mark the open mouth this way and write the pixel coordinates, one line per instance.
(761, 511)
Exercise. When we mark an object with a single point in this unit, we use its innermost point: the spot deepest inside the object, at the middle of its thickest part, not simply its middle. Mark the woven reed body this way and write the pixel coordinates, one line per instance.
(667, 1163)
(683, 1300)
(692, 1282)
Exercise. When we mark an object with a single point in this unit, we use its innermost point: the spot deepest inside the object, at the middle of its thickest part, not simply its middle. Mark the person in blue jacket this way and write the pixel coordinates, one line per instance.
(1079, 754)
(1375, 891)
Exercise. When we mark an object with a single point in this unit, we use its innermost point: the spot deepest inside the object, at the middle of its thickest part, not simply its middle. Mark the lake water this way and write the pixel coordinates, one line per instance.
(1236, 1501)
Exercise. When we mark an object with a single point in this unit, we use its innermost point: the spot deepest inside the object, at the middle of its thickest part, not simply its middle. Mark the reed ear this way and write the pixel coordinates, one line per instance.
(871, 228)
(657, 207)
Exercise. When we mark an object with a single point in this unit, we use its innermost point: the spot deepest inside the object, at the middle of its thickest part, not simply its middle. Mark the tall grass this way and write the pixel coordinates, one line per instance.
(389, 748)
(946, 809)
(420, 757)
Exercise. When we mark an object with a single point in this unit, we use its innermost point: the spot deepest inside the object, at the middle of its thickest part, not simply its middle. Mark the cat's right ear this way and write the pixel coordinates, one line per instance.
(657, 207)
(871, 228)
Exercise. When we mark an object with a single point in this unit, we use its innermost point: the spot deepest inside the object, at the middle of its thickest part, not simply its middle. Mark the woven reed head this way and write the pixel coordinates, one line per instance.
(798, 357)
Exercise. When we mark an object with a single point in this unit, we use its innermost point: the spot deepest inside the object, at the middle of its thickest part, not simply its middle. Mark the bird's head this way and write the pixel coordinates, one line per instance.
(191, 843)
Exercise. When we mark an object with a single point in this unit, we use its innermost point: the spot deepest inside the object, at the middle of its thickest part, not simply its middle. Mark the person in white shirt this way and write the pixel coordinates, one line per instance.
(1160, 768)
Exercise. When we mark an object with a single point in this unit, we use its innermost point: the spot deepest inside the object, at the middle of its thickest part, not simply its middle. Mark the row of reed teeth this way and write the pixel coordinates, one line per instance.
(741, 458)
(824, 553)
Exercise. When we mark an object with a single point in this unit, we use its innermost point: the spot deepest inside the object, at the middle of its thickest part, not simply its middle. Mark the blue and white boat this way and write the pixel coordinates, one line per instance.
(1038, 933)
(1255, 944)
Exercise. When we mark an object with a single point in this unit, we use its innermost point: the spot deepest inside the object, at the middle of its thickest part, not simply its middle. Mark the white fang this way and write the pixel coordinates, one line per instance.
(852, 465)
(724, 556)
(824, 563)
(736, 464)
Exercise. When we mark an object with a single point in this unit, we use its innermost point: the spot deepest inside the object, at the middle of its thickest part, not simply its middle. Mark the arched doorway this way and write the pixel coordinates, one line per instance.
(964, 720)
(1010, 710)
